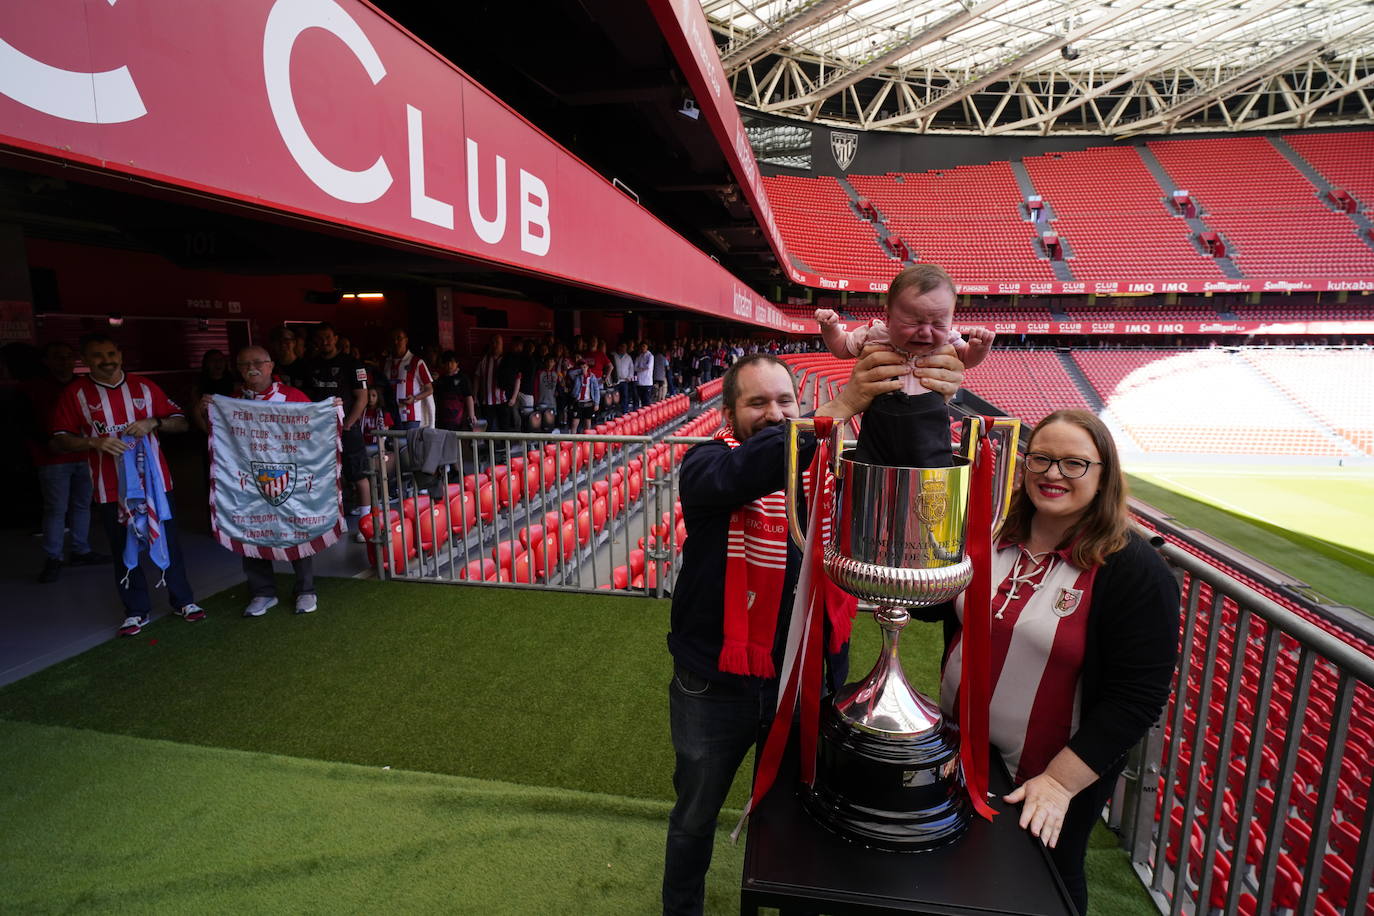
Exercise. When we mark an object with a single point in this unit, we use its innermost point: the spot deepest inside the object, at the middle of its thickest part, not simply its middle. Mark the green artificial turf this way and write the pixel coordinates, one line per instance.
(105, 823)
(562, 693)
(1335, 570)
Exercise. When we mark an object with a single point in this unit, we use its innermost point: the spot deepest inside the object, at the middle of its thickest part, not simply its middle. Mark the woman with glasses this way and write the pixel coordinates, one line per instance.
(1084, 629)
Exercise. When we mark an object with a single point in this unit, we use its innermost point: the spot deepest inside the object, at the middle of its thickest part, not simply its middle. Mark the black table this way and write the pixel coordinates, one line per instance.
(791, 861)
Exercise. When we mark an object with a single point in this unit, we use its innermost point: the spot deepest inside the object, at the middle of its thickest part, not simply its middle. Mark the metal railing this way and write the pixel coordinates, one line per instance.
(562, 512)
(1251, 795)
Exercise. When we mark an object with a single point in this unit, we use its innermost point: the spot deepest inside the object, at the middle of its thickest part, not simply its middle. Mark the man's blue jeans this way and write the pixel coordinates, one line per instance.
(66, 491)
(134, 593)
(713, 727)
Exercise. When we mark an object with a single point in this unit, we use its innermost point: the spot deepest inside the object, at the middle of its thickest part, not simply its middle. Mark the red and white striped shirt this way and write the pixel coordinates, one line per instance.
(276, 393)
(408, 376)
(1039, 634)
(88, 408)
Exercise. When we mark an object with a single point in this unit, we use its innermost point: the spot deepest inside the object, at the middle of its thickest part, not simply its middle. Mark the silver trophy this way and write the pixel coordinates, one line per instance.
(887, 772)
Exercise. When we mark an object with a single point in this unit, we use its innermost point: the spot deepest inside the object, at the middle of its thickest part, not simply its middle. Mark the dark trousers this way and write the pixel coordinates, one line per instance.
(133, 590)
(263, 584)
(904, 431)
(646, 395)
(1072, 849)
(713, 727)
(627, 396)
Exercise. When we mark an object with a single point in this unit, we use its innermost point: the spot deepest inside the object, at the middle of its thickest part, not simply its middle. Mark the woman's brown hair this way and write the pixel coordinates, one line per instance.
(1105, 524)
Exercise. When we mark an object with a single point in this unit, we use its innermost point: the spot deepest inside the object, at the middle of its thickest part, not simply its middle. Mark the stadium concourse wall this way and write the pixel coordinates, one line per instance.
(331, 112)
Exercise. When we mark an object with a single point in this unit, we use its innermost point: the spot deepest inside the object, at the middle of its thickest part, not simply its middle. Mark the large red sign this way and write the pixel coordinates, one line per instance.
(1105, 287)
(1156, 326)
(329, 109)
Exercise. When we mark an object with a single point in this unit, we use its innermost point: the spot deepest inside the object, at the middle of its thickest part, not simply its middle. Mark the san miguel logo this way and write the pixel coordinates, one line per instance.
(276, 482)
(843, 146)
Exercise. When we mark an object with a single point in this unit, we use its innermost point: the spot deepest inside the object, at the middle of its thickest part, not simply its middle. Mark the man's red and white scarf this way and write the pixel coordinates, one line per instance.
(755, 569)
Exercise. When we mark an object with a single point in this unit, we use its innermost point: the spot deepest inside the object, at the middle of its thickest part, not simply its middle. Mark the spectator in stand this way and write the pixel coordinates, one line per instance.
(96, 414)
(63, 477)
(644, 375)
(624, 366)
(585, 386)
(599, 362)
(528, 369)
(662, 373)
(255, 367)
(331, 374)
(1104, 608)
(281, 343)
(546, 387)
(409, 383)
(215, 377)
(454, 404)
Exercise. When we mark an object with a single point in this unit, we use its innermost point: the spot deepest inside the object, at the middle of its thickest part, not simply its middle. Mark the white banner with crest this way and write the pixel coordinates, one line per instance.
(274, 477)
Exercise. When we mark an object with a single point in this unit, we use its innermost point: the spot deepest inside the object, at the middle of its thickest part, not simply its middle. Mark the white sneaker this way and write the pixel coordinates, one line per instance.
(306, 604)
(258, 606)
(132, 626)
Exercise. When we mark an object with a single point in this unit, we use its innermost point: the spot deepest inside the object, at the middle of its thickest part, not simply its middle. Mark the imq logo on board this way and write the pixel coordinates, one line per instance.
(843, 146)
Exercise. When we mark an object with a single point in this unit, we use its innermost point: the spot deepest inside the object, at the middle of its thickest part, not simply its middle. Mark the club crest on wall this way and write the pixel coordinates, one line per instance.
(843, 146)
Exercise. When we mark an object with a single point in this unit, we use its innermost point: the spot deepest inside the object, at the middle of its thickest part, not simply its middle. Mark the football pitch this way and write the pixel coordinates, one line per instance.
(1311, 522)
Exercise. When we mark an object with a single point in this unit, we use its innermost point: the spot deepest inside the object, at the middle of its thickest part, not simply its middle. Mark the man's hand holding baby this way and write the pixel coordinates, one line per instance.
(940, 370)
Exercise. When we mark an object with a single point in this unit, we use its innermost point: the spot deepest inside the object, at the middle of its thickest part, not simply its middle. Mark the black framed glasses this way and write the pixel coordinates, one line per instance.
(1071, 468)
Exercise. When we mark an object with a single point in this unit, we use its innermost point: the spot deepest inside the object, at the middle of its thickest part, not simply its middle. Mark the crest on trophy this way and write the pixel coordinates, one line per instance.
(933, 503)
(843, 146)
(276, 481)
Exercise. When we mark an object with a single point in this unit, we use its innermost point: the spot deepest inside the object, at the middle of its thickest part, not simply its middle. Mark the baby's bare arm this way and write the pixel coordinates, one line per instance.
(832, 332)
(975, 346)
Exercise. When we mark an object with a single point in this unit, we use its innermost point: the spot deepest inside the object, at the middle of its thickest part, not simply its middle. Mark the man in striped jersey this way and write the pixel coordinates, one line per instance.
(256, 367)
(94, 415)
(412, 386)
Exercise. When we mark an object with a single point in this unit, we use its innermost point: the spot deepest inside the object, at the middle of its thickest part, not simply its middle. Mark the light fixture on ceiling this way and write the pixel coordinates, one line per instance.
(689, 109)
(115, 319)
(1068, 52)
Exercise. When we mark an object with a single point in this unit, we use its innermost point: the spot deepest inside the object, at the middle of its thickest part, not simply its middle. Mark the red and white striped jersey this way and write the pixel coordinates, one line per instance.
(276, 393)
(88, 408)
(1039, 634)
(407, 375)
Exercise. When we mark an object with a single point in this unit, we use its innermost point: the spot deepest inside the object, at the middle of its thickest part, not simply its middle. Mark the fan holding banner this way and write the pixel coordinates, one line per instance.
(274, 478)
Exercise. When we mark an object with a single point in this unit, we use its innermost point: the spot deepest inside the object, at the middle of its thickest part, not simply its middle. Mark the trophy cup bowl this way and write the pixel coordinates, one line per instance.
(887, 771)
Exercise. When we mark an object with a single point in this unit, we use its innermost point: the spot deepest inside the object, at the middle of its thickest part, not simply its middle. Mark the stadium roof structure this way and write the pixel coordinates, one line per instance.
(1103, 67)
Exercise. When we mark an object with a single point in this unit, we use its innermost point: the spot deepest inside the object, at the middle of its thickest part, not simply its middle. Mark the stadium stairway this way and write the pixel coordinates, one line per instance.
(880, 227)
(1085, 387)
(1023, 181)
(1166, 183)
(1322, 185)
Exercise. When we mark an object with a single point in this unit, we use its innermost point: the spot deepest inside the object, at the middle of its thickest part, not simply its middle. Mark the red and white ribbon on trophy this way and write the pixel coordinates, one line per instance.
(817, 598)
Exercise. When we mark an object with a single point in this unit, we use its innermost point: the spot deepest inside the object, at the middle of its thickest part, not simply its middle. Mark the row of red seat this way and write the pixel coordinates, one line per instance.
(640, 571)
(502, 485)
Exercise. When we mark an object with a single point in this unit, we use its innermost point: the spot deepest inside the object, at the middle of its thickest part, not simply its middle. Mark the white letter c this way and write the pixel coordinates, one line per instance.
(287, 20)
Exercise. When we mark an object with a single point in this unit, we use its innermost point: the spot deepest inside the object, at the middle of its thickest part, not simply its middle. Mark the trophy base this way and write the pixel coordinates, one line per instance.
(901, 794)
